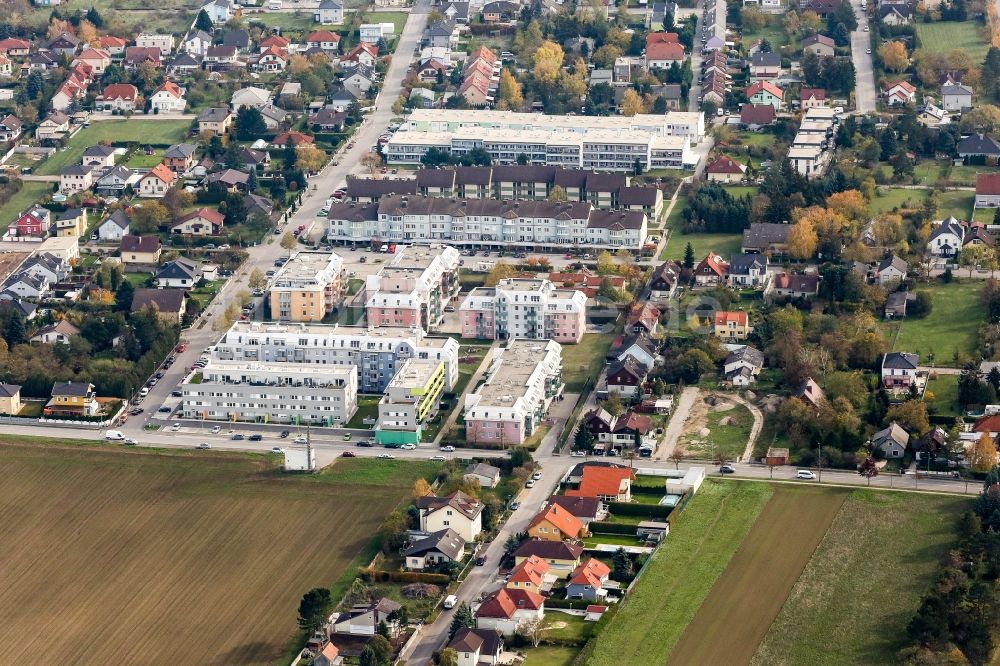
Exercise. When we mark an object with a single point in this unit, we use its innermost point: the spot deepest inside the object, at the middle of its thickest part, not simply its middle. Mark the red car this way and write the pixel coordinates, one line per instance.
(181, 348)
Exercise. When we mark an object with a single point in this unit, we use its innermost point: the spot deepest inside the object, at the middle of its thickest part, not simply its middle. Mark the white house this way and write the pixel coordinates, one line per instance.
(432, 550)
(956, 97)
(476, 647)
(487, 476)
(113, 228)
(329, 12)
(457, 511)
(250, 96)
(76, 178)
(508, 609)
(163, 42)
(899, 370)
(180, 272)
(890, 270)
(168, 98)
(219, 11)
(946, 239)
(198, 42)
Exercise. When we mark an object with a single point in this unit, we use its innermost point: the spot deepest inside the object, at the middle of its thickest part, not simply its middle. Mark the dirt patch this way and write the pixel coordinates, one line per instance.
(724, 406)
(746, 598)
(697, 430)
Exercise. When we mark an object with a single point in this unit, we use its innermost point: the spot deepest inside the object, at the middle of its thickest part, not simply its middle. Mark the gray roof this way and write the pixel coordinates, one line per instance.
(950, 225)
(213, 115)
(441, 29)
(447, 541)
(894, 262)
(330, 4)
(99, 151)
(766, 60)
(900, 361)
(119, 218)
(762, 234)
(742, 264)
(9, 390)
(180, 268)
(978, 144)
(183, 150)
(955, 89)
(749, 354)
(894, 432)
(482, 469)
(72, 388)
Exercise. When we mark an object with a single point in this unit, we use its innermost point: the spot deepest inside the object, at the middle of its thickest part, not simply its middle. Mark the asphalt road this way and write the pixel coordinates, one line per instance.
(865, 96)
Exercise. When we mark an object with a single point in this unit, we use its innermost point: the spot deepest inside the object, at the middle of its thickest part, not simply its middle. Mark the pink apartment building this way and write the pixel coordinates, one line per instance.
(523, 380)
(413, 289)
(524, 308)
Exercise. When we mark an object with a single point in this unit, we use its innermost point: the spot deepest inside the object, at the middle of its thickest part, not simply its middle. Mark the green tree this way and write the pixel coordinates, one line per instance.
(235, 210)
(463, 618)
(613, 405)
(584, 438)
(377, 652)
(314, 608)
(622, 565)
(203, 22)
(123, 296)
(448, 657)
(250, 124)
(688, 256)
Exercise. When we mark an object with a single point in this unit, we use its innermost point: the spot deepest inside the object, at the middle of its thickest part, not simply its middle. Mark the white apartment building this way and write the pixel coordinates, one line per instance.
(150, 40)
(399, 218)
(410, 398)
(413, 289)
(523, 380)
(308, 287)
(524, 308)
(272, 393)
(375, 353)
(613, 143)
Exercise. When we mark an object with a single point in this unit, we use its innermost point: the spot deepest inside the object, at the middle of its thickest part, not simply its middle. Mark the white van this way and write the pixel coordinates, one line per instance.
(450, 601)
(114, 435)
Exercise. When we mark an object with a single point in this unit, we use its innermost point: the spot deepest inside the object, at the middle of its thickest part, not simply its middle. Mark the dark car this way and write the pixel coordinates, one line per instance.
(237, 437)
(284, 433)
(136, 411)
(727, 469)
(364, 443)
(164, 410)
(347, 454)
(480, 560)
(256, 438)
(177, 393)
(159, 375)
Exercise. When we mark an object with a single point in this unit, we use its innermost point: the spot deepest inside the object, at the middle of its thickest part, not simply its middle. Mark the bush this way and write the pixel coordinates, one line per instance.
(602, 527)
(644, 510)
(381, 576)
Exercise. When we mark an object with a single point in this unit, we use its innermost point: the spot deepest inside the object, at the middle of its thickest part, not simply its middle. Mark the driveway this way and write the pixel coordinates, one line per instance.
(865, 96)
(677, 421)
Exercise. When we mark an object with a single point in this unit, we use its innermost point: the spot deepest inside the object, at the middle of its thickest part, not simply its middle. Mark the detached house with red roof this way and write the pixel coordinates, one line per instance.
(112, 45)
(506, 610)
(588, 580)
(97, 59)
(202, 222)
(899, 93)
(643, 317)
(712, 271)
(812, 98)
(609, 484)
(662, 49)
(726, 169)
(156, 182)
(987, 190)
(529, 575)
(120, 97)
(731, 326)
(323, 40)
(271, 60)
(364, 54)
(554, 523)
(15, 48)
(765, 92)
(168, 98)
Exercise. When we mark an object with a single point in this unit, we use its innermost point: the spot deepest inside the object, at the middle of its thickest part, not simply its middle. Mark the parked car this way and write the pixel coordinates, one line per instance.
(204, 445)
(727, 469)
(386, 456)
(216, 430)
(805, 474)
(300, 439)
(448, 449)
(237, 437)
(480, 560)
(408, 446)
(175, 427)
(347, 437)
(164, 410)
(284, 434)
(364, 443)
(530, 483)
(277, 449)
(578, 454)
(438, 458)
(514, 506)
(131, 442)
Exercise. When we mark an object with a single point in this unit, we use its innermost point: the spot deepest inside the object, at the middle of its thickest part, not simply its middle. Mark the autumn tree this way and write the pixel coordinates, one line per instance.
(257, 280)
(548, 61)
(868, 468)
(984, 118)
(802, 239)
(849, 203)
(86, 32)
(894, 56)
(631, 103)
(309, 158)
(911, 414)
(289, 242)
(149, 217)
(421, 489)
(509, 91)
(753, 19)
(606, 55)
(983, 456)
(371, 161)
(500, 271)
(557, 193)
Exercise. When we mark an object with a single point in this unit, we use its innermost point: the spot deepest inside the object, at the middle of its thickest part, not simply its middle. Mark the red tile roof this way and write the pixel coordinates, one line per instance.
(504, 603)
(531, 570)
(715, 263)
(162, 172)
(817, 93)
(767, 86)
(601, 481)
(662, 38)
(726, 164)
(592, 572)
(120, 91)
(988, 424)
(988, 183)
(646, 314)
(724, 318)
(296, 138)
(559, 518)
(664, 51)
(322, 36)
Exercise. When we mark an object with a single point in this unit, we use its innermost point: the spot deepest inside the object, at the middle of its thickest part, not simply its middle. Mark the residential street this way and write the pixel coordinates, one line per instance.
(865, 93)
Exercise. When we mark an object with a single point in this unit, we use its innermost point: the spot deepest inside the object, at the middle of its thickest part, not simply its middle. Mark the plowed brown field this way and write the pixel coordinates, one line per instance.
(136, 557)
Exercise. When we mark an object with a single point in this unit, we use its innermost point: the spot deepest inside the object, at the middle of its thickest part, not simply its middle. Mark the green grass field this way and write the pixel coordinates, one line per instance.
(865, 581)
(894, 197)
(585, 360)
(29, 194)
(172, 16)
(154, 132)
(549, 655)
(731, 436)
(136, 540)
(703, 539)
(288, 21)
(949, 328)
(945, 390)
(945, 36)
(722, 244)
(957, 203)
(367, 409)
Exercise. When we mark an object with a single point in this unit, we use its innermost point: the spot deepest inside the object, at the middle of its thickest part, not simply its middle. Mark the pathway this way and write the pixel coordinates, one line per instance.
(473, 382)
(677, 421)
(758, 423)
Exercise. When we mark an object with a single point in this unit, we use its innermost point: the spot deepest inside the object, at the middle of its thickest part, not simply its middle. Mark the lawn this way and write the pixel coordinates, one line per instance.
(367, 409)
(398, 19)
(287, 21)
(722, 244)
(140, 160)
(585, 360)
(949, 328)
(957, 203)
(566, 627)
(728, 430)
(139, 540)
(469, 359)
(862, 586)
(549, 655)
(170, 16)
(750, 593)
(612, 540)
(703, 539)
(29, 194)
(890, 198)
(147, 132)
(945, 390)
(946, 36)
(674, 218)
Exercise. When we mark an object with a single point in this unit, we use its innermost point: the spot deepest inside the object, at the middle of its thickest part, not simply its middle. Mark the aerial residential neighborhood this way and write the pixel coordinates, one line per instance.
(524, 333)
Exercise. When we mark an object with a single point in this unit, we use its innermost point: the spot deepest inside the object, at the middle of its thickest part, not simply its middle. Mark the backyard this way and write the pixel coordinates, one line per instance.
(196, 519)
(722, 244)
(950, 328)
(945, 390)
(25, 197)
(947, 36)
(585, 360)
(146, 132)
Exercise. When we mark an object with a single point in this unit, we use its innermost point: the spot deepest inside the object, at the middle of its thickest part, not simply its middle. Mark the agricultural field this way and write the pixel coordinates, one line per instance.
(144, 547)
(949, 328)
(783, 575)
(889, 542)
(945, 36)
(153, 132)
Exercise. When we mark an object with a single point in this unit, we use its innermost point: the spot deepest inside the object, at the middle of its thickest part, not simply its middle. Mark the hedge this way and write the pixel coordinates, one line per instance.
(577, 604)
(644, 510)
(602, 527)
(382, 576)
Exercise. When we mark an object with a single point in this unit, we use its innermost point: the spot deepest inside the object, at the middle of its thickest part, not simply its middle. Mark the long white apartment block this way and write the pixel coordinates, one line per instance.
(402, 218)
(272, 393)
(615, 143)
(413, 289)
(524, 308)
(523, 380)
(374, 353)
